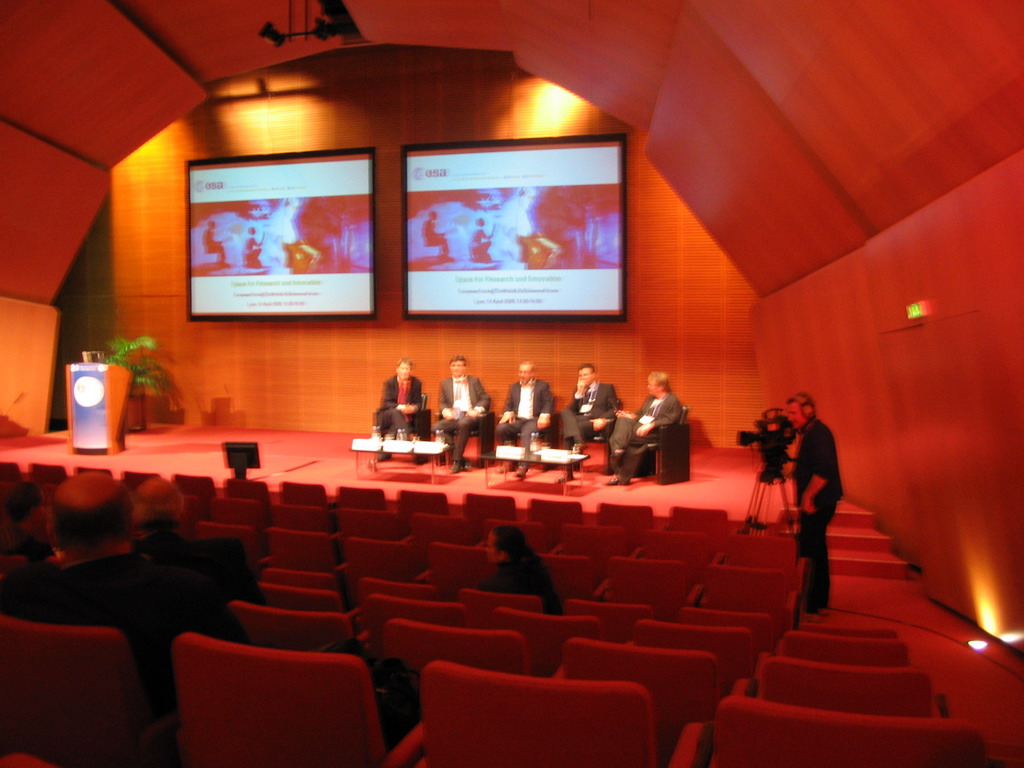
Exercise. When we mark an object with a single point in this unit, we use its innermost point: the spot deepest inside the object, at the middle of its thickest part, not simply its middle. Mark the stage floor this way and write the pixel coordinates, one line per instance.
(720, 477)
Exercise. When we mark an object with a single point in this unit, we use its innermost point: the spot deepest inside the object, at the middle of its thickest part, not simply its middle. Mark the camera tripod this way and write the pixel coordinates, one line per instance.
(759, 508)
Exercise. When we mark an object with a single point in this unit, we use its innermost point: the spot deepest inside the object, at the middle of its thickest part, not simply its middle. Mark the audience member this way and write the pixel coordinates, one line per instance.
(20, 502)
(528, 409)
(520, 570)
(100, 581)
(159, 506)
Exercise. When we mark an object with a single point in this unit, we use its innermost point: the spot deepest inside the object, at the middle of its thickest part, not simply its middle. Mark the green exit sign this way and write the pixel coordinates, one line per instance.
(917, 310)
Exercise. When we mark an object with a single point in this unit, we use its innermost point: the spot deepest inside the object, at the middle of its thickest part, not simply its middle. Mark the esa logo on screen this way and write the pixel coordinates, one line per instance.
(206, 186)
(429, 173)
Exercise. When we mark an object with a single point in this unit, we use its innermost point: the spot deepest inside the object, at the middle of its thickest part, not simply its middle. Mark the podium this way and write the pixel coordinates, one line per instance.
(97, 403)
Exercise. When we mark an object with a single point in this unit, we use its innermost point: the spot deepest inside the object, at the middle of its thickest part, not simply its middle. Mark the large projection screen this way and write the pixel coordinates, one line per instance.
(281, 236)
(528, 229)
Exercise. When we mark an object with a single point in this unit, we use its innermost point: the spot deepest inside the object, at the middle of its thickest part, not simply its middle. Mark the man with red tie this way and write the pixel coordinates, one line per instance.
(400, 399)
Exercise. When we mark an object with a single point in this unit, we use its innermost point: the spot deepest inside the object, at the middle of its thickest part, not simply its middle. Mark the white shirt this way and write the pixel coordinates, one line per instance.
(526, 401)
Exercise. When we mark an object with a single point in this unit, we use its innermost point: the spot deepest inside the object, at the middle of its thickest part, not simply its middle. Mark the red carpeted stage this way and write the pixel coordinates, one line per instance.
(720, 477)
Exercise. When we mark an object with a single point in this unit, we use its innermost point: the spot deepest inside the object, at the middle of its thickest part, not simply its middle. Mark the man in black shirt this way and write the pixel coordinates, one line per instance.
(818, 490)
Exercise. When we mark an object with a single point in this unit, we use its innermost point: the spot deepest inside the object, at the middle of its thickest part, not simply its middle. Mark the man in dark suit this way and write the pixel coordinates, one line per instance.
(463, 401)
(101, 582)
(528, 409)
(634, 431)
(400, 400)
(158, 510)
(591, 412)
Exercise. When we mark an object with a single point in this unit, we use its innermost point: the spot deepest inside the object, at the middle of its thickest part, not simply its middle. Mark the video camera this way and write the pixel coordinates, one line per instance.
(775, 433)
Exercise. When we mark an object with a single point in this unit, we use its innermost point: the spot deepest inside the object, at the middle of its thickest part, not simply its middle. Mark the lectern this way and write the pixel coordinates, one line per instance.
(97, 402)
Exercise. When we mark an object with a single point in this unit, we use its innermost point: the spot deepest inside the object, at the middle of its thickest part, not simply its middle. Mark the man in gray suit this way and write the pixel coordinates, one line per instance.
(633, 431)
(463, 401)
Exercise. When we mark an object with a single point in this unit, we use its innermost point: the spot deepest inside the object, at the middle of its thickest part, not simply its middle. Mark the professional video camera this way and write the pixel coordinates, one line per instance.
(775, 433)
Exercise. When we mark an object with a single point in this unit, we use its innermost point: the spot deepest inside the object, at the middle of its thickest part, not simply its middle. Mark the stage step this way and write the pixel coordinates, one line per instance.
(857, 538)
(852, 517)
(879, 565)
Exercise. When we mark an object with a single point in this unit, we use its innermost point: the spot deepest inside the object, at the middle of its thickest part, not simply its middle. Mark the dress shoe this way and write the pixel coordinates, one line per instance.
(521, 472)
(618, 481)
(457, 467)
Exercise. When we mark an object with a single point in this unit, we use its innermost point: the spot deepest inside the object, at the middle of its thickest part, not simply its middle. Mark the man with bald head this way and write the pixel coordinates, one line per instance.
(101, 582)
(159, 507)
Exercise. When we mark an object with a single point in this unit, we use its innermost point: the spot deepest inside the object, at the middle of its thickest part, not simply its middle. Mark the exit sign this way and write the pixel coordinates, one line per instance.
(917, 310)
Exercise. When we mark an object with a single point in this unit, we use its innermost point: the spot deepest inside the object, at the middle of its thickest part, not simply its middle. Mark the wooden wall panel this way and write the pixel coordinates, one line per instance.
(928, 414)
(47, 202)
(731, 155)
(28, 343)
(689, 307)
(83, 77)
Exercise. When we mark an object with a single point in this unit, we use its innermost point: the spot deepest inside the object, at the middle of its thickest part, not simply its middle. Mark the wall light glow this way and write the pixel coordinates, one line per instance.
(978, 645)
(267, 124)
(1012, 637)
(548, 110)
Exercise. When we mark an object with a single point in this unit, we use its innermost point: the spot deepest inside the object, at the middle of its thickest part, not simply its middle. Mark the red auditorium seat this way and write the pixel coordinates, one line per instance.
(289, 630)
(479, 507)
(554, 514)
(303, 494)
(479, 717)
(361, 498)
(732, 646)
(247, 707)
(546, 634)
(635, 518)
(683, 684)
(749, 732)
(480, 605)
(377, 609)
(661, 584)
(417, 644)
(617, 619)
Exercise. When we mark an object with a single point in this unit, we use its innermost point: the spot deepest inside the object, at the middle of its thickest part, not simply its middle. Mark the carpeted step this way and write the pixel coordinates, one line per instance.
(879, 565)
(851, 517)
(857, 538)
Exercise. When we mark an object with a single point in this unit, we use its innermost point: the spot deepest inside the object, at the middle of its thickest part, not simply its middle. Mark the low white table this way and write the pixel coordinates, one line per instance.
(374, 448)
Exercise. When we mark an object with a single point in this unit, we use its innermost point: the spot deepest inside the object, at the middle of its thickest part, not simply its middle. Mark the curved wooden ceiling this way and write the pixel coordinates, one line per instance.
(794, 129)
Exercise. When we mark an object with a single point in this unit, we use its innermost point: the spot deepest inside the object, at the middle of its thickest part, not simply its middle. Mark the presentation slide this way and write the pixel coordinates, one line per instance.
(281, 236)
(531, 229)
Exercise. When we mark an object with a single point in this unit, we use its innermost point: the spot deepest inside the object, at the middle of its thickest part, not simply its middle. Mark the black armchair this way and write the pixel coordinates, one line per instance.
(668, 457)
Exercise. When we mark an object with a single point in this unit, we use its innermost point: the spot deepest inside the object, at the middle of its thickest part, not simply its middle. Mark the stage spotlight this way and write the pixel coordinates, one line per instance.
(271, 35)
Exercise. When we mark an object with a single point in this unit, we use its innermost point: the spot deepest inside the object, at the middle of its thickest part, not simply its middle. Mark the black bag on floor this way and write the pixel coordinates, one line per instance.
(398, 698)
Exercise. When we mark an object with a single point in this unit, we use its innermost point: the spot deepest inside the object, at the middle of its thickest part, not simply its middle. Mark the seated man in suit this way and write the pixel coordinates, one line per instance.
(634, 431)
(158, 510)
(400, 400)
(463, 401)
(591, 412)
(101, 582)
(527, 410)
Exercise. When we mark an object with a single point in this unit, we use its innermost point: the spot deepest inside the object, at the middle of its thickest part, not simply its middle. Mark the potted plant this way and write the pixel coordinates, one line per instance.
(149, 376)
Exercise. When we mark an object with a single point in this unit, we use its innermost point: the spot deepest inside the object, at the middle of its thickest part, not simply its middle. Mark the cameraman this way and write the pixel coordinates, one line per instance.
(818, 490)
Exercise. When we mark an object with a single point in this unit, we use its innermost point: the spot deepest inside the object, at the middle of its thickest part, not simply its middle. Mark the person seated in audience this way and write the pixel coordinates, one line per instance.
(520, 570)
(634, 431)
(20, 502)
(101, 582)
(159, 506)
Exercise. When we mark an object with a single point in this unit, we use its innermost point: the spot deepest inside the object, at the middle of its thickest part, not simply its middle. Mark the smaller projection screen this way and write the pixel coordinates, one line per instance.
(281, 236)
(528, 229)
